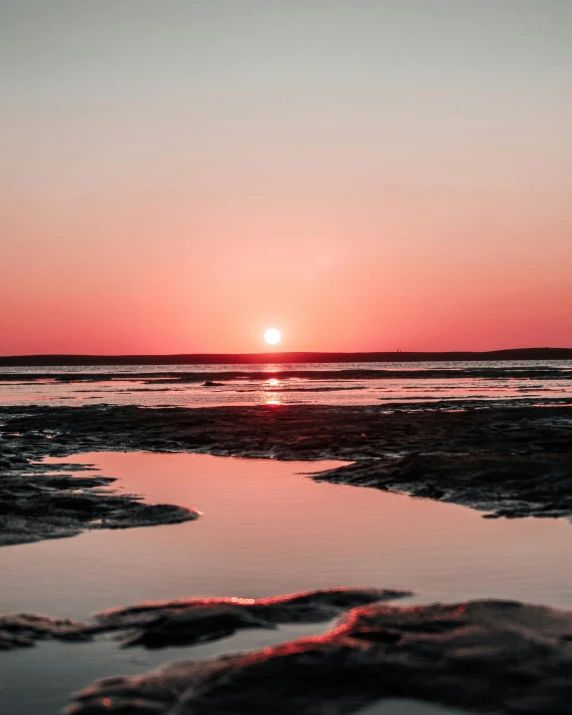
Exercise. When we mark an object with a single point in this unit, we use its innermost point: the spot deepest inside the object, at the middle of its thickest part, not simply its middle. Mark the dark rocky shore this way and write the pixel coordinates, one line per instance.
(36, 503)
(507, 461)
(483, 656)
(190, 621)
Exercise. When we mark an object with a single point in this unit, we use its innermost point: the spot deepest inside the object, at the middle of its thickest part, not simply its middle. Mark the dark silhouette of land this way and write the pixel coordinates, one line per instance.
(284, 357)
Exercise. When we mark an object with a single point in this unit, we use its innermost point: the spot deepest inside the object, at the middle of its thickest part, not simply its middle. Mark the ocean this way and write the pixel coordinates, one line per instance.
(422, 385)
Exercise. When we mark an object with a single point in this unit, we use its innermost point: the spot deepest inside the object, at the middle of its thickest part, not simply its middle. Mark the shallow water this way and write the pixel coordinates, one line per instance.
(265, 529)
(143, 385)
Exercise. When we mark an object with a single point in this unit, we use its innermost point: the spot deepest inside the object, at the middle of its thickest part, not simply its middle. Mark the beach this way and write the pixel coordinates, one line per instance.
(111, 503)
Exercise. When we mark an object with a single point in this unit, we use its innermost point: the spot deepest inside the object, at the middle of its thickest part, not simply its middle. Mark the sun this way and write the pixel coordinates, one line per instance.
(272, 336)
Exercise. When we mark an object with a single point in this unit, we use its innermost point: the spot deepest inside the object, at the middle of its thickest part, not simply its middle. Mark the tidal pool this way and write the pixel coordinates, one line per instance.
(266, 528)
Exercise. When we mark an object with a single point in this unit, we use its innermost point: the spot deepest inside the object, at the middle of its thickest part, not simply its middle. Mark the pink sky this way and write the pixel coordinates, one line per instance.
(179, 176)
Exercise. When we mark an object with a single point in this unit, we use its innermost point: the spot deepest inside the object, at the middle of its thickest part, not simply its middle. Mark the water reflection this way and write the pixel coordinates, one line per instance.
(267, 530)
(269, 396)
(286, 384)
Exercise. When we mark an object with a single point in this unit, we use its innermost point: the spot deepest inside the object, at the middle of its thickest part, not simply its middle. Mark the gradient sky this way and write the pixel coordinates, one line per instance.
(177, 176)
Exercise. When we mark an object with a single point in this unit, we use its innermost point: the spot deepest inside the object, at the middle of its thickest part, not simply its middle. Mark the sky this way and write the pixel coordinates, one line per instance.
(178, 176)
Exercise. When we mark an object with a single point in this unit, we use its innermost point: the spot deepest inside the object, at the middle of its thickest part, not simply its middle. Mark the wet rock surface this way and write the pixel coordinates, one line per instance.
(24, 629)
(37, 504)
(510, 461)
(504, 485)
(482, 656)
(191, 621)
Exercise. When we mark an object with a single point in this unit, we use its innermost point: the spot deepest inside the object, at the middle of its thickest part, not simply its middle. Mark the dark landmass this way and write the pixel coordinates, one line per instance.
(284, 357)
(511, 462)
(220, 378)
(25, 629)
(37, 504)
(190, 621)
(482, 656)
(503, 484)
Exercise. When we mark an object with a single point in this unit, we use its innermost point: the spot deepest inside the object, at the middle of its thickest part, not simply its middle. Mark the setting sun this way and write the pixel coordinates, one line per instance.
(272, 336)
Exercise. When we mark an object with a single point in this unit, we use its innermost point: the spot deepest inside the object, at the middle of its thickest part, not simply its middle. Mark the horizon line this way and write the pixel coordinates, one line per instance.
(279, 356)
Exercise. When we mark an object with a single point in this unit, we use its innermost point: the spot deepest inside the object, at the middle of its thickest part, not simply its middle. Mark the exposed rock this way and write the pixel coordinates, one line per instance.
(195, 620)
(483, 656)
(191, 621)
(505, 485)
(24, 629)
(36, 505)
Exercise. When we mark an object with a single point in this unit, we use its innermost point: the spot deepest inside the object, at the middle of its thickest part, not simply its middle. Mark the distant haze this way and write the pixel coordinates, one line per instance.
(362, 175)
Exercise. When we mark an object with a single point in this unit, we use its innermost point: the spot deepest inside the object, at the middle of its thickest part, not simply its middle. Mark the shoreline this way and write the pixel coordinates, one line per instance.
(511, 462)
(482, 656)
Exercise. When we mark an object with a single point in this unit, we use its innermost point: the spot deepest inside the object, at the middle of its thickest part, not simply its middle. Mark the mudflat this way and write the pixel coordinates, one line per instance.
(509, 462)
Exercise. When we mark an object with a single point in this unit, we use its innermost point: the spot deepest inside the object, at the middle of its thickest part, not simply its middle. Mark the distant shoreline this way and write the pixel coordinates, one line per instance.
(283, 357)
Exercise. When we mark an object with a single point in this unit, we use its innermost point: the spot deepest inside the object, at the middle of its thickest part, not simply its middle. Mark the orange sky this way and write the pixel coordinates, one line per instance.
(179, 176)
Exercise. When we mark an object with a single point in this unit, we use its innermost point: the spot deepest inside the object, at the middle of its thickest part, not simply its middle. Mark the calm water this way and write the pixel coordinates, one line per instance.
(529, 383)
(265, 529)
